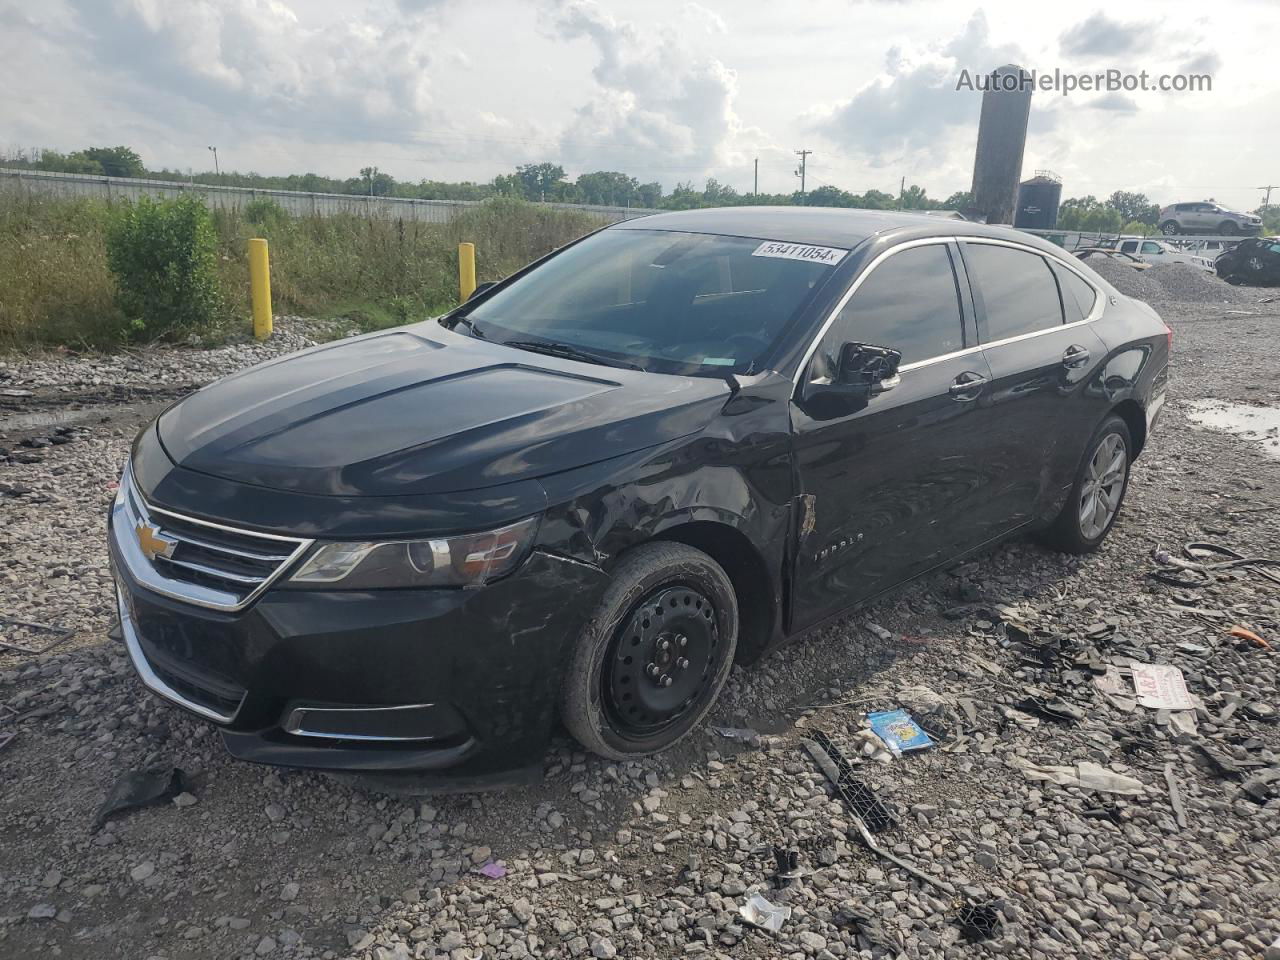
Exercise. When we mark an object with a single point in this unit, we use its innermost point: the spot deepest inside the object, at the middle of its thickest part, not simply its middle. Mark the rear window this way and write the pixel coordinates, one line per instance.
(1078, 295)
(1018, 290)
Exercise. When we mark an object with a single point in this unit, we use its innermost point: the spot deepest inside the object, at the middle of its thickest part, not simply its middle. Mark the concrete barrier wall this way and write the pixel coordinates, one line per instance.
(296, 203)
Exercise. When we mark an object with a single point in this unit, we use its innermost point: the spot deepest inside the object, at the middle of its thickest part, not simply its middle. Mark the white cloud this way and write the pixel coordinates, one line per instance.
(1101, 36)
(913, 105)
(362, 79)
(660, 104)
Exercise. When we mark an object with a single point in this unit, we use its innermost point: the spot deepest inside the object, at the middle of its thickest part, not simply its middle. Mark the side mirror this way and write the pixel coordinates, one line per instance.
(481, 288)
(868, 370)
(862, 372)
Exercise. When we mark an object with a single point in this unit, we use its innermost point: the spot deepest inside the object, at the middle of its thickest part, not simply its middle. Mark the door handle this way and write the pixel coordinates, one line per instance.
(967, 386)
(1075, 356)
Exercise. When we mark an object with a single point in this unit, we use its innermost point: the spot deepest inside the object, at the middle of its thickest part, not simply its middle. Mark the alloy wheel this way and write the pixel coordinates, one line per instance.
(1103, 486)
(662, 661)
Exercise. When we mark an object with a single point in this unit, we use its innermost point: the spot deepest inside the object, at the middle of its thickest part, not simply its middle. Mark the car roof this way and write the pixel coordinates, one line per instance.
(824, 226)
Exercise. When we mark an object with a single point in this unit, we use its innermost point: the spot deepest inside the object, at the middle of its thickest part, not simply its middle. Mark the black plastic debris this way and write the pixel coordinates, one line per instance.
(1104, 811)
(788, 864)
(1057, 710)
(978, 921)
(860, 798)
(1262, 712)
(140, 788)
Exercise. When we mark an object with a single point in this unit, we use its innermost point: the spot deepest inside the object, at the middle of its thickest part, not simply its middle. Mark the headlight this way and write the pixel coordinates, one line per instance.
(469, 560)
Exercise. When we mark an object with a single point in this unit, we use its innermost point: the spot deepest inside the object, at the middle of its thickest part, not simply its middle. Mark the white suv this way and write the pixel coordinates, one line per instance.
(1206, 217)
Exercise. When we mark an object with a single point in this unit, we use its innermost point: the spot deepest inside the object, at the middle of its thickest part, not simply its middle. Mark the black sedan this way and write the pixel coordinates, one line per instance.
(584, 494)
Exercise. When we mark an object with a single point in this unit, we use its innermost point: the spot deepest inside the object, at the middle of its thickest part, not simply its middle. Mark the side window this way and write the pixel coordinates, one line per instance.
(1078, 296)
(1152, 248)
(1128, 246)
(1018, 290)
(909, 303)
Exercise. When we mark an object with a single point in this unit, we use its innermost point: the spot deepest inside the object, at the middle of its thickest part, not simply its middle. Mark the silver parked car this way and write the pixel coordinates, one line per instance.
(1206, 217)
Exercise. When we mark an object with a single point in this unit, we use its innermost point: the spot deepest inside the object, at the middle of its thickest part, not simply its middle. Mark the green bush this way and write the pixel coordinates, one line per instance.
(265, 212)
(163, 255)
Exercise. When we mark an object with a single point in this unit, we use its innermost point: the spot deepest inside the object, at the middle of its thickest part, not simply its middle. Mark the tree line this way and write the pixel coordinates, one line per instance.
(1122, 212)
(531, 181)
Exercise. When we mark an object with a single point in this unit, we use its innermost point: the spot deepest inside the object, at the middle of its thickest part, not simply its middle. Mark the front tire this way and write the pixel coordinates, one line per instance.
(1170, 228)
(655, 654)
(1097, 493)
(1228, 228)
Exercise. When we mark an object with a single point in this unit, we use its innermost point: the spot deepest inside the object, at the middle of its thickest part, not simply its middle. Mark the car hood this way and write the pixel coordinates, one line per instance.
(425, 410)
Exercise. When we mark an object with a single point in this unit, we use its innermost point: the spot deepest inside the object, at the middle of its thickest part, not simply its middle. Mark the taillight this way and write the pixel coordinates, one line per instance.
(1168, 332)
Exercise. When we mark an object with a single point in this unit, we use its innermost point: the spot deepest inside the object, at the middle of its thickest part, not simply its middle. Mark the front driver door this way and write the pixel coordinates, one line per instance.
(890, 489)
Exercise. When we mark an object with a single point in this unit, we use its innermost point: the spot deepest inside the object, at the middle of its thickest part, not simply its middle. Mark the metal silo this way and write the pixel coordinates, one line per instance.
(1002, 136)
(1038, 200)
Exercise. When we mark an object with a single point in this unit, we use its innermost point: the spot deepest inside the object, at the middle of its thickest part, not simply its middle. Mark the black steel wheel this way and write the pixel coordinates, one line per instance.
(661, 660)
(655, 655)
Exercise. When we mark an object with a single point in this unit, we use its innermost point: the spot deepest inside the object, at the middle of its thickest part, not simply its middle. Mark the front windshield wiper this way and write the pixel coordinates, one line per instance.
(470, 324)
(570, 353)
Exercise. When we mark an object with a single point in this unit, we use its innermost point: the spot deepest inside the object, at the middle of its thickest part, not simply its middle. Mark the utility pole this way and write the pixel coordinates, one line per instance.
(755, 183)
(1266, 202)
(215, 161)
(804, 156)
(902, 192)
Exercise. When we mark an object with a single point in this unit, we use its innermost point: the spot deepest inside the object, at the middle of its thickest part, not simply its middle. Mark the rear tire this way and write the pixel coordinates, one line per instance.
(1170, 228)
(639, 680)
(1097, 493)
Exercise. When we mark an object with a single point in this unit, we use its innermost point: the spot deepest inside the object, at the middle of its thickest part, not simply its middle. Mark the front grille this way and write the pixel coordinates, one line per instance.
(205, 563)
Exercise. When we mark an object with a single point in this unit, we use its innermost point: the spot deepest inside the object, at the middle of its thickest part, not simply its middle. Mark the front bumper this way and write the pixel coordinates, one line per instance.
(463, 683)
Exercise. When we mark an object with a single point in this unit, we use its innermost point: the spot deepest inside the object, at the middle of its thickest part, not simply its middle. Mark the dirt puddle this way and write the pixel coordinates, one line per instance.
(1259, 424)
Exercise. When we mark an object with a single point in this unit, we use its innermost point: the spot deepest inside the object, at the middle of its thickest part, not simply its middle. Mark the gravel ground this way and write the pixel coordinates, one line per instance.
(655, 858)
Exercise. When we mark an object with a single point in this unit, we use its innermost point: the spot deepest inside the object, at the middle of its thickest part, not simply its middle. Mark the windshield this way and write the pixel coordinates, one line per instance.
(668, 302)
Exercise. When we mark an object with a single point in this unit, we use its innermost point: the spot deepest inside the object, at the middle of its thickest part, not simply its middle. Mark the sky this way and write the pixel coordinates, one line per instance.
(666, 90)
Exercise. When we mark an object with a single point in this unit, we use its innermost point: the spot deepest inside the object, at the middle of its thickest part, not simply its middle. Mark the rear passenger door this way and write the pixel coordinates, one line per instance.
(895, 487)
(1035, 323)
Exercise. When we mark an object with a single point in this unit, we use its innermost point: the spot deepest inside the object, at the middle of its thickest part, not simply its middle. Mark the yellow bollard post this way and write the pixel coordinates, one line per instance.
(260, 287)
(466, 269)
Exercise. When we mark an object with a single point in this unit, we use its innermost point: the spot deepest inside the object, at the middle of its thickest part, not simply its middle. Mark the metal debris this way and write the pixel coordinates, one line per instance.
(59, 634)
(759, 912)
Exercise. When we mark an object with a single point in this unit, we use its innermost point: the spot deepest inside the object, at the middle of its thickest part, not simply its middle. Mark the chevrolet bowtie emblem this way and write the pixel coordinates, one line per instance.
(153, 543)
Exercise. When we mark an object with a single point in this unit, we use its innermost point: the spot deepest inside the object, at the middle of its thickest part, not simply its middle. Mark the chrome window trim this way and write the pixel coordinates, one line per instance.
(130, 508)
(150, 679)
(1094, 314)
(294, 723)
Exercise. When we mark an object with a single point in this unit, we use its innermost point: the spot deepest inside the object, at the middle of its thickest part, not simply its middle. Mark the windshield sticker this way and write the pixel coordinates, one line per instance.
(828, 256)
(719, 361)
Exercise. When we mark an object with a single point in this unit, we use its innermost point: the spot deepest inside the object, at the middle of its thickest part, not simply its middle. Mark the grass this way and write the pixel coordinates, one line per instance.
(57, 290)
